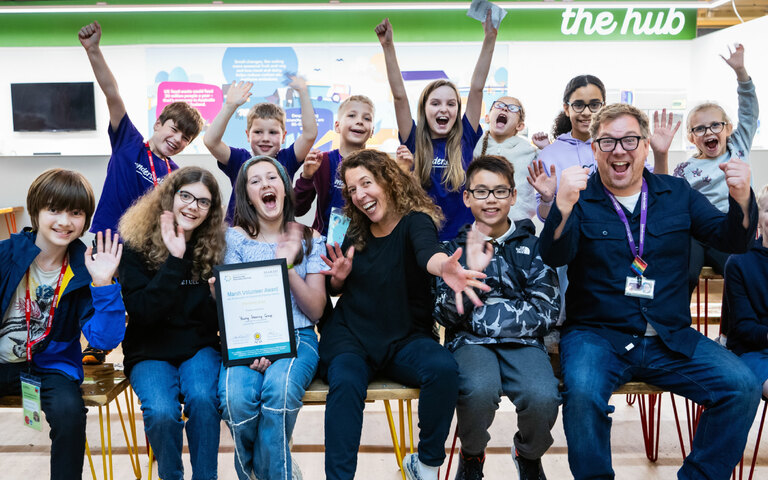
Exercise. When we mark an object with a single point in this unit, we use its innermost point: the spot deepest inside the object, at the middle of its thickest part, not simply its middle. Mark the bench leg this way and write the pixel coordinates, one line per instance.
(410, 422)
(103, 452)
(393, 434)
(401, 414)
(131, 449)
(757, 442)
(90, 459)
(453, 450)
(650, 421)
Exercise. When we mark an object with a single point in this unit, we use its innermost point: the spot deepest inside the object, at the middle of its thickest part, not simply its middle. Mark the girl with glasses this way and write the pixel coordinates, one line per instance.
(716, 141)
(506, 119)
(173, 237)
(260, 402)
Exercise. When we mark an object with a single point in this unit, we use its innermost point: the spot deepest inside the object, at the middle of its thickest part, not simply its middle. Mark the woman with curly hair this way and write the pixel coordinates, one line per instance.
(260, 402)
(173, 237)
(382, 324)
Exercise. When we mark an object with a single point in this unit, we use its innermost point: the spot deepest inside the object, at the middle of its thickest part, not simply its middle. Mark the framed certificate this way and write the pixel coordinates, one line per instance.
(255, 315)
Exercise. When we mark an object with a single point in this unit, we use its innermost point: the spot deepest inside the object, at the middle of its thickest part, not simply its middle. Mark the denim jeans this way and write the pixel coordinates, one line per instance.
(261, 409)
(521, 372)
(713, 377)
(161, 387)
(422, 363)
(62, 403)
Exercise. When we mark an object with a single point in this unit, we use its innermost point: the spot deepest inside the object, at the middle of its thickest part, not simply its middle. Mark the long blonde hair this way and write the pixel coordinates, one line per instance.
(140, 226)
(403, 193)
(453, 176)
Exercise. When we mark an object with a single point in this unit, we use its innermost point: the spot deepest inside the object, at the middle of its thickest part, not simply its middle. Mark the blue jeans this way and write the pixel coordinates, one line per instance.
(422, 363)
(161, 387)
(261, 409)
(713, 377)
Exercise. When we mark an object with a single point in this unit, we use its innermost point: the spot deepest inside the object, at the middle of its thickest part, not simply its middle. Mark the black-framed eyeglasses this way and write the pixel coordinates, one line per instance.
(510, 107)
(202, 203)
(579, 106)
(483, 193)
(714, 127)
(628, 143)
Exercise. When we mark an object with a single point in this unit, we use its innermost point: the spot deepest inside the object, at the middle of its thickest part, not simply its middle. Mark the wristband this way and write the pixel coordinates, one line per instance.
(290, 266)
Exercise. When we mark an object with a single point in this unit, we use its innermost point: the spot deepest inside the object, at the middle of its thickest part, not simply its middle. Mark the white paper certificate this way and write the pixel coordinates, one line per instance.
(255, 316)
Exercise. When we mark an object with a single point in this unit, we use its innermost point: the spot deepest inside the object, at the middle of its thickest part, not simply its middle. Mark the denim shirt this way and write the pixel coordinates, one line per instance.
(594, 245)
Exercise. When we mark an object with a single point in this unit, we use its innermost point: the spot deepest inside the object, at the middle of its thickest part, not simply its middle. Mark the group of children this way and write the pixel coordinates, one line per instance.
(448, 182)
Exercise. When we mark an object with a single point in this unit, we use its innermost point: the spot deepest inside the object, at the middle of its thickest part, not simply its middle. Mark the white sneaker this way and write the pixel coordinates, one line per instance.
(413, 470)
(295, 470)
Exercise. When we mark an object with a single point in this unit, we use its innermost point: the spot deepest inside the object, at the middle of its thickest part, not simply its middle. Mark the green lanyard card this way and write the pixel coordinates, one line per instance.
(30, 400)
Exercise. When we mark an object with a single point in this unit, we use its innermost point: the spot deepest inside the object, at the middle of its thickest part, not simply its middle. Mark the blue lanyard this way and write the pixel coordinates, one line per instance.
(637, 252)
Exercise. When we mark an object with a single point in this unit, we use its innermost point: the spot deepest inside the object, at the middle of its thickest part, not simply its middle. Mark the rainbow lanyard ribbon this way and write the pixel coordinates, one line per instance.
(49, 322)
(638, 264)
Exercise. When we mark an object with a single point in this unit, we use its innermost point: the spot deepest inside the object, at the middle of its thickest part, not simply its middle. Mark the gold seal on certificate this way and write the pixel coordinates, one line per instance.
(255, 316)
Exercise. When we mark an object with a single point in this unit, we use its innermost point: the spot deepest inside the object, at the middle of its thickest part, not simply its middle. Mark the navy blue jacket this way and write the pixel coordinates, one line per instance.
(746, 289)
(98, 311)
(594, 246)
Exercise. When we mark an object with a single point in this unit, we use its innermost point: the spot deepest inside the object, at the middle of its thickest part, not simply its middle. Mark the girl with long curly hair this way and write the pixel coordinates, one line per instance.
(382, 324)
(442, 140)
(173, 237)
(260, 402)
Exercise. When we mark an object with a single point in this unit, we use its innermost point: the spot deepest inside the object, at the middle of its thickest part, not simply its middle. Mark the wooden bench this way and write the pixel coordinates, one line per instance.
(101, 386)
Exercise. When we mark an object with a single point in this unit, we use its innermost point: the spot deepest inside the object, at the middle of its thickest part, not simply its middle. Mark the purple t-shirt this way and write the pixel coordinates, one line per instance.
(238, 157)
(128, 175)
(452, 203)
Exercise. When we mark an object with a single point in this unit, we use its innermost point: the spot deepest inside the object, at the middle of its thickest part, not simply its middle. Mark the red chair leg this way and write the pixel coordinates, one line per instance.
(453, 450)
(650, 423)
(757, 442)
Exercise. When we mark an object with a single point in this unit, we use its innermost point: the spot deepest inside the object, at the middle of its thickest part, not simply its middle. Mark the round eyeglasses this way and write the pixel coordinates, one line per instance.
(188, 198)
(715, 127)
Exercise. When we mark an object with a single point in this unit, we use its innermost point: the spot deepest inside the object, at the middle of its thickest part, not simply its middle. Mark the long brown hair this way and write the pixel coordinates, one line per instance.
(404, 194)
(140, 226)
(453, 176)
(246, 216)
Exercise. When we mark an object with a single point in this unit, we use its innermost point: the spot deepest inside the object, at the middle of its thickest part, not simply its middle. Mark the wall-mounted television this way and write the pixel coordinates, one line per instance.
(53, 107)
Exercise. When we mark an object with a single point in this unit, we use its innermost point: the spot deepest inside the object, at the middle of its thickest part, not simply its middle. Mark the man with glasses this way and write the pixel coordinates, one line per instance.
(624, 234)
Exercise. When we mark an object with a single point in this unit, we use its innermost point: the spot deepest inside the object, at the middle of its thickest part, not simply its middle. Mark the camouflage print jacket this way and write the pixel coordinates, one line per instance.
(524, 301)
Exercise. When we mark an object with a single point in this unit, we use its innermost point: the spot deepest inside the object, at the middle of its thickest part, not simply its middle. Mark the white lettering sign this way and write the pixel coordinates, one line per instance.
(580, 21)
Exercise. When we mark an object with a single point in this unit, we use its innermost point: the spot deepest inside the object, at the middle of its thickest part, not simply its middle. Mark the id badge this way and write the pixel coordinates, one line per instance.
(30, 401)
(337, 226)
(642, 289)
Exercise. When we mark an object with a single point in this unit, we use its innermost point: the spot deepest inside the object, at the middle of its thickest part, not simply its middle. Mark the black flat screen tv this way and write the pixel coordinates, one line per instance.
(53, 107)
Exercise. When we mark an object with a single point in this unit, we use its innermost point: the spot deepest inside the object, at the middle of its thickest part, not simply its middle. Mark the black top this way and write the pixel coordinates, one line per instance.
(170, 315)
(386, 300)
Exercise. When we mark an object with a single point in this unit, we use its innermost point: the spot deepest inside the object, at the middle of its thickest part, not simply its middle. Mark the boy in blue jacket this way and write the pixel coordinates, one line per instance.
(51, 288)
(499, 347)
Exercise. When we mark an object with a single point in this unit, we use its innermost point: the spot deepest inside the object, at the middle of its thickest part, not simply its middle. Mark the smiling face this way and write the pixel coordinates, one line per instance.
(441, 109)
(711, 145)
(368, 195)
(266, 136)
(355, 125)
(189, 216)
(167, 140)
(580, 120)
(58, 228)
(621, 171)
(266, 190)
(491, 212)
(504, 124)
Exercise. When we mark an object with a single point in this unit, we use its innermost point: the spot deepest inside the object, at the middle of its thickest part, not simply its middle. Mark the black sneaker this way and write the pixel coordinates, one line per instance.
(529, 469)
(470, 467)
(94, 356)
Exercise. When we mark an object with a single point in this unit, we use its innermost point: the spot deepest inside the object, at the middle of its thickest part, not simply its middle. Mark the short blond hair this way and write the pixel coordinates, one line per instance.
(357, 98)
(763, 195)
(613, 111)
(267, 111)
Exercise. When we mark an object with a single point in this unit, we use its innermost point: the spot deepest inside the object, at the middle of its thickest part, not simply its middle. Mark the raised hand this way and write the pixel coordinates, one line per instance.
(488, 28)
(212, 286)
(572, 181)
(462, 281)
(664, 130)
(737, 177)
(540, 139)
(479, 251)
(289, 244)
(239, 93)
(297, 83)
(545, 184)
(340, 265)
(173, 235)
(735, 60)
(311, 163)
(102, 264)
(384, 32)
(90, 35)
(404, 158)
(261, 364)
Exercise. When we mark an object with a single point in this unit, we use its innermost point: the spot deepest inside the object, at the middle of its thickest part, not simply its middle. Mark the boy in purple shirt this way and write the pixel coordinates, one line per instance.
(265, 132)
(135, 165)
